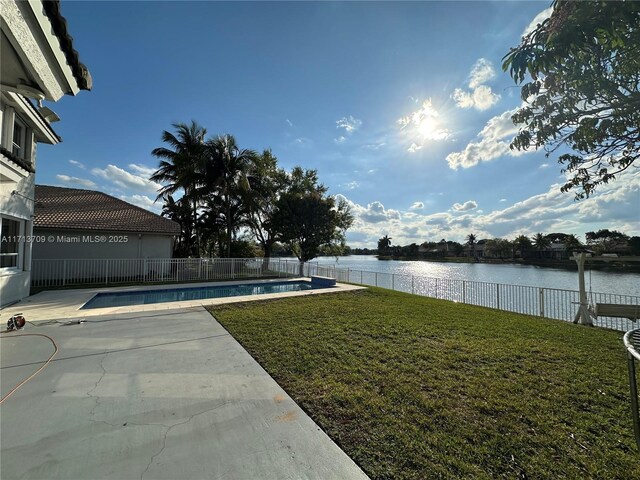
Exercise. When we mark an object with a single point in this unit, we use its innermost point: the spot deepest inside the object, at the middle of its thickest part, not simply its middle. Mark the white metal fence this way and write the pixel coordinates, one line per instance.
(539, 301)
(58, 273)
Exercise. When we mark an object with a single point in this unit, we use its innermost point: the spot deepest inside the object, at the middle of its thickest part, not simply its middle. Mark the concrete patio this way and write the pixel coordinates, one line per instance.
(161, 394)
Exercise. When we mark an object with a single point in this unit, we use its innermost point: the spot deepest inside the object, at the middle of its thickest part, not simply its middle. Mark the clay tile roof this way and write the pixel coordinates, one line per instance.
(75, 209)
(59, 27)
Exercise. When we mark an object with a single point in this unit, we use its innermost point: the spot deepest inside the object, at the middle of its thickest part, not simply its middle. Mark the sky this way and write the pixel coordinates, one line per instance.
(402, 108)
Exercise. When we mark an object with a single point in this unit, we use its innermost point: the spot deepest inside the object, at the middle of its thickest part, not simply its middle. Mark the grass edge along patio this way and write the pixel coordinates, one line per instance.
(413, 387)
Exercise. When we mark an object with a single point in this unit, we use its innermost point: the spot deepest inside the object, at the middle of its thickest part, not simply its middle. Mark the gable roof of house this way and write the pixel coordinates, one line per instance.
(76, 209)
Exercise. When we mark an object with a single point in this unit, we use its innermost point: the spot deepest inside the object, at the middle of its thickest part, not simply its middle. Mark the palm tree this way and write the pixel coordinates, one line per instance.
(384, 244)
(522, 244)
(571, 244)
(471, 242)
(211, 225)
(225, 172)
(180, 166)
(180, 212)
(540, 242)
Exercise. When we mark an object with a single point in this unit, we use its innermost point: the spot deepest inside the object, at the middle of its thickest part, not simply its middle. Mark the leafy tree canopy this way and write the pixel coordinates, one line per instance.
(582, 71)
(307, 219)
(606, 235)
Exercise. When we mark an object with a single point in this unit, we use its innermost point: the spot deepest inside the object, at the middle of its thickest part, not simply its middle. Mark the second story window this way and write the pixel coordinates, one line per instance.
(19, 139)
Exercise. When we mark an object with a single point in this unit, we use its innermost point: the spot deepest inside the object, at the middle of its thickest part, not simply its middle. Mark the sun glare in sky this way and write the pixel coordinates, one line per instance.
(428, 127)
(423, 125)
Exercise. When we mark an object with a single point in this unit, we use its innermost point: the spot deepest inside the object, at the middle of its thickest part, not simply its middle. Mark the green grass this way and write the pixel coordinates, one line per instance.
(412, 387)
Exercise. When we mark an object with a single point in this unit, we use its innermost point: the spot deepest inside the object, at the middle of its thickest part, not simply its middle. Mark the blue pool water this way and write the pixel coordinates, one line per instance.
(142, 297)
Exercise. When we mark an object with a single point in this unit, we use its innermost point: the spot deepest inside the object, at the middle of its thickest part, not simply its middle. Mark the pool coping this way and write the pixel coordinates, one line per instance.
(66, 304)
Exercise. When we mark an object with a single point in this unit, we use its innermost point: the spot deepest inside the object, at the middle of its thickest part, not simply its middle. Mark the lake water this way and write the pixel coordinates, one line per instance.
(624, 283)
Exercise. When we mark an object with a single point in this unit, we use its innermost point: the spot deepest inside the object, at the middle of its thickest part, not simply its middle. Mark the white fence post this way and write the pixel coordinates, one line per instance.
(498, 296)
(541, 300)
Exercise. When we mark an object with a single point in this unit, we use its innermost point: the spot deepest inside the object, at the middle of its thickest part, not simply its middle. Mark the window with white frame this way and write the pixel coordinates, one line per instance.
(19, 138)
(10, 246)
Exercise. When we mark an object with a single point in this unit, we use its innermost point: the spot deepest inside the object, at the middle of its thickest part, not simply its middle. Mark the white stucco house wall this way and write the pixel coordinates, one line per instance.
(37, 63)
(77, 224)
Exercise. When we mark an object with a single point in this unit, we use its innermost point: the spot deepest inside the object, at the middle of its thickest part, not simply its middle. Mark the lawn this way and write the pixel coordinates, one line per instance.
(412, 387)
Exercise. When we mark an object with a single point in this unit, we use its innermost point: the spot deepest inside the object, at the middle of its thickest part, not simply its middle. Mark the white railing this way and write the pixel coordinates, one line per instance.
(539, 301)
(59, 273)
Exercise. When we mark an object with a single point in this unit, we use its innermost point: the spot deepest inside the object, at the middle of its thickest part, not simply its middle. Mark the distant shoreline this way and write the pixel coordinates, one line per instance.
(560, 264)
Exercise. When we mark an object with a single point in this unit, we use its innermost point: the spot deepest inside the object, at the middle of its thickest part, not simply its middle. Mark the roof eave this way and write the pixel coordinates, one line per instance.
(79, 71)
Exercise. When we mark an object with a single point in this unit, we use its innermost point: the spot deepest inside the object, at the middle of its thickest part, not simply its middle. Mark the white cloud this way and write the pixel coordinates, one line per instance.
(143, 201)
(614, 206)
(75, 181)
(416, 206)
(463, 98)
(142, 170)
(372, 171)
(481, 97)
(125, 179)
(541, 17)
(503, 199)
(352, 185)
(481, 72)
(544, 165)
(375, 212)
(288, 122)
(371, 214)
(414, 148)
(495, 138)
(375, 146)
(466, 206)
(75, 163)
(340, 139)
(349, 124)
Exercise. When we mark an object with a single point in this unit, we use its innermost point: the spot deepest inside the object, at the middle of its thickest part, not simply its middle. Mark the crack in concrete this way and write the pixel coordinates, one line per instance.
(97, 397)
(169, 428)
(163, 425)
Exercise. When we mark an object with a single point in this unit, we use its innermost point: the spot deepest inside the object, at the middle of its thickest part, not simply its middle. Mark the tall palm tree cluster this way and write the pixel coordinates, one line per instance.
(215, 190)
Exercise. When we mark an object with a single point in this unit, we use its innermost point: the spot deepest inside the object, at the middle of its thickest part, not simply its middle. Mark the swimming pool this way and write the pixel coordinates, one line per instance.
(143, 297)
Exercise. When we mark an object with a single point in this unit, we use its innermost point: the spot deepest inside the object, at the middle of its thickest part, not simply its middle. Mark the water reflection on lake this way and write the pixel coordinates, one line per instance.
(607, 281)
